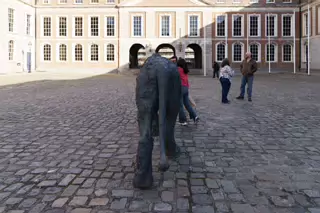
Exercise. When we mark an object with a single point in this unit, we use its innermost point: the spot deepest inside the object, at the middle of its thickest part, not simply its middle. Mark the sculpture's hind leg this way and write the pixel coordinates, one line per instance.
(143, 178)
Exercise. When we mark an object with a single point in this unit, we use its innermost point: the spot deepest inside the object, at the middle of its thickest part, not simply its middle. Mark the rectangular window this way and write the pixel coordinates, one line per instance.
(271, 25)
(306, 24)
(11, 49)
(221, 1)
(237, 25)
(110, 26)
(78, 26)
(287, 53)
(110, 1)
(63, 1)
(28, 24)
(62, 26)
(194, 26)
(94, 1)
(270, 1)
(287, 25)
(137, 25)
(254, 25)
(271, 53)
(221, 25)
(11, 19)
(46, 26)
(78, 1)
(165, 26)
(94, 26)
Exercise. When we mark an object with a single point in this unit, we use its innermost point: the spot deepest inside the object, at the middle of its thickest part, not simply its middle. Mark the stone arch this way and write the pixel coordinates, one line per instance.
(193, 56)
(136, 55)
(166, 50)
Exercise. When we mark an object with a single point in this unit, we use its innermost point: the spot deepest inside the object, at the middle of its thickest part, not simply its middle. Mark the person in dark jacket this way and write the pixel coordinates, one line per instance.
(216, 68)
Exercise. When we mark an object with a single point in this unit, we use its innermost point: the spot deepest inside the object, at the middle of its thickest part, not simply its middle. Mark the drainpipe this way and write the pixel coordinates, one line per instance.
(118, 36)
(300, 37)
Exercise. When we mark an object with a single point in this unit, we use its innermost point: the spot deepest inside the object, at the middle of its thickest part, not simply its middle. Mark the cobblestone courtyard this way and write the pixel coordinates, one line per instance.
(69, 146)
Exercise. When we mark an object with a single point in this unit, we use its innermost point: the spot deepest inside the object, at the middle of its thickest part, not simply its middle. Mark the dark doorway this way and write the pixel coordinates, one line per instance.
(193, 55)
(29, 61)
(136, 56)
(166, 50)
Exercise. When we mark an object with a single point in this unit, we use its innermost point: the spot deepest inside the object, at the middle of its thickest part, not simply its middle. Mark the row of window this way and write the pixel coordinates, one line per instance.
(113, 1)
(11, 22)
(254, 25)
(79, 1)
(78, 53)
(271, 53)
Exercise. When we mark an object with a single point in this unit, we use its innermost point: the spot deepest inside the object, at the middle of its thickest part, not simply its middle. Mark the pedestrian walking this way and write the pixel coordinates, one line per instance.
(226, 74)
(248, 67)
(216, 68)
(185, 101)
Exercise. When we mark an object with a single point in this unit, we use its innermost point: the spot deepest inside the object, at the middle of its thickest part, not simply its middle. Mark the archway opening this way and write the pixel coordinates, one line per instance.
(166, 50)
(137, 56)
(193, 56)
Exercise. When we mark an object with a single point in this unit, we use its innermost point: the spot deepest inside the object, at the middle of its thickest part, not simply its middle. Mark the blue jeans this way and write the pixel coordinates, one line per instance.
(225, 84)
(246, 80)
(186, 103)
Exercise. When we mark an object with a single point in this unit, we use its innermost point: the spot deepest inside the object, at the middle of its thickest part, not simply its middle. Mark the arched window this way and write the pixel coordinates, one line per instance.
(255, 51)
(221, 52)
(62, 52)
(237, 52)
(47, 52)
(78, 52)
(110, 52)
(94, 52)
(287, 53)
(11, 50)
(271, 53)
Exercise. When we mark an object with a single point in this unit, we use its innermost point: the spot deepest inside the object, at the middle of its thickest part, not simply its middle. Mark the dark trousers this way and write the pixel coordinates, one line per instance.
(225, 84)
(215, 73)
(249, 81)
(185, 102)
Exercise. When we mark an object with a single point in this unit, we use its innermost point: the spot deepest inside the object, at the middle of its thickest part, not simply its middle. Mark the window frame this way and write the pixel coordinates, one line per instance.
(275, 52)
(225, 25)
(291, 56)
(74, 26)
(275, 25)
(170, 25)
(198, 22)
(242, 51)
(249, 25)
(74, 53)
(58, 26)
(282, 25)
(106, 52)
(90, 53)
(225, 50)
(42, 25)
(142, 26)
(242, 25)
(114, 26)
(58, 52)
(42, 52)
(259, 50)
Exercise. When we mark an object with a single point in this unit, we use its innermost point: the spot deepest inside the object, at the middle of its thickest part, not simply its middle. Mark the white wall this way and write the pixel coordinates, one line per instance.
(21, 40)
(151, 38)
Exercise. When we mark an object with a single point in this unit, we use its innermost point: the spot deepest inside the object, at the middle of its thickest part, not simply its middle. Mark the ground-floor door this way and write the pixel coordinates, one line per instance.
(29, 61)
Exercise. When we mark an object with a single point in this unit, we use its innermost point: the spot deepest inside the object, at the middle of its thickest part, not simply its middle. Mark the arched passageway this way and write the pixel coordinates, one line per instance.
(193, 56)
(137, 56)
(166, 50)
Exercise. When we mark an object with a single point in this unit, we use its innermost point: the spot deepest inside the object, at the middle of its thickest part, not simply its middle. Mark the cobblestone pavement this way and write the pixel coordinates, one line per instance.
(68, 146)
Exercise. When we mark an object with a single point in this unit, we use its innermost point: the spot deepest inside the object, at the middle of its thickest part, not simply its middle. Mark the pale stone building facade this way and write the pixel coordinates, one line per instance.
(108, 35)
(17, 36)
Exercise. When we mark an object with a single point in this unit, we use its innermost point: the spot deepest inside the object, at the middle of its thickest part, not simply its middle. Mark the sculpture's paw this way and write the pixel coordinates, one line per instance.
(142, 183)
(164, 166)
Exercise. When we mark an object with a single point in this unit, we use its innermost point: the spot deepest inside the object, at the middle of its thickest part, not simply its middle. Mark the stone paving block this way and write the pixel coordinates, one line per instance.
(99, 202)
(59, 202)
(13, 200)
(65, 181)
(241, 208)
(78, 201)
(81, 210)
(119, 203)
(162, 207)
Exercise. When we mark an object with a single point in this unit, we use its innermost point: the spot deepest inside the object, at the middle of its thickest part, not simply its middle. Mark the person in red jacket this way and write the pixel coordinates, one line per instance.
(185, 102)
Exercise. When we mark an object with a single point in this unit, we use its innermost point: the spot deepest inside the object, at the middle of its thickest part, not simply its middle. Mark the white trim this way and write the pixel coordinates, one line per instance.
(282, 55)
(42, 52)
(242, 25)
(89, 26)
(275, 52)
(132, 25)
(105, 53)
(42, 25)
(282, 23)
(242, 51)
(74, 26)
(259, 24)
(89, 52)
(58, 26)
(26, 24)
(105, 26)
(259, 50)
(74, 53)
(275, 25)
(304, 33)
(216, 50)
(225, 25)
(199, 27)
(170, 25)
(58, 53)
